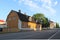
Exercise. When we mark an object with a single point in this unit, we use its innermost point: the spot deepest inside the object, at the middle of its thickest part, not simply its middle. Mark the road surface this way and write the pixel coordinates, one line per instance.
(45, 34)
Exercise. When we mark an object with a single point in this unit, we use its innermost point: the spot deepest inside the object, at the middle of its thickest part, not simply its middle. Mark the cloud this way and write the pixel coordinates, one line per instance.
(29, 3)
(46, 5)
(46, 1)
(56, 3)
(20, 1)
(14, 0)
(32, 5)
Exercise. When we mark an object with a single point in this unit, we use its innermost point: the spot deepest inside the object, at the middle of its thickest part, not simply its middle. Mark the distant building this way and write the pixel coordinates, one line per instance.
(52, 25)
(18, 21)
(2, 24)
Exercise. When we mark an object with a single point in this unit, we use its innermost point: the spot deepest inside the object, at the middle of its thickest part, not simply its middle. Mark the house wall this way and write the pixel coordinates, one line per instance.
(10, 30)
(19, 24)
(25, 25)
(32, 25)
(38, 27)
(52, 25)
(12, 20)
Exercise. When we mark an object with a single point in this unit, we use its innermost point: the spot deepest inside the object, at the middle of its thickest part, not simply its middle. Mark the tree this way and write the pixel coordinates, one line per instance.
(57, 25)
(46, 24)
(40, 16)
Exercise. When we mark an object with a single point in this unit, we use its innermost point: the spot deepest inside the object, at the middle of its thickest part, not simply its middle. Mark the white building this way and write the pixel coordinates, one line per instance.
(52, 25)
(3, 24)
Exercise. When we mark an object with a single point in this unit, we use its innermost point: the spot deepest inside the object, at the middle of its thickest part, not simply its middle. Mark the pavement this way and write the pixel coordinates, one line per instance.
(45, 34)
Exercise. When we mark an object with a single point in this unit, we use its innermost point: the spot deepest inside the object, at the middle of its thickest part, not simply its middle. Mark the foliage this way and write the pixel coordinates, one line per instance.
(40, 16)
(57, 25)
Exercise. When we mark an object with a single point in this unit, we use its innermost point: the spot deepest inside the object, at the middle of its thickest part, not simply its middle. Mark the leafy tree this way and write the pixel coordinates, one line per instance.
(57, 25)
(46, 24)
(40, 16)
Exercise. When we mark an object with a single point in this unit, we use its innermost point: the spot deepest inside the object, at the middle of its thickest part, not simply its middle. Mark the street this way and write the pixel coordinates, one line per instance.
(45, 34)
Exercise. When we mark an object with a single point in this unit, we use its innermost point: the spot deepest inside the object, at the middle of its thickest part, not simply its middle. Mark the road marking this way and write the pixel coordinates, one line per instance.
(52, 35)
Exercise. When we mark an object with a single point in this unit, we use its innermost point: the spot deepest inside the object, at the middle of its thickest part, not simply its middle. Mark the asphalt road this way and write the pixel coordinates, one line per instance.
(45, 34)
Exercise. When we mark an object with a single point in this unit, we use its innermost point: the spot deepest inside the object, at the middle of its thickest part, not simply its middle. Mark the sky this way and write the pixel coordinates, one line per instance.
(50, 8)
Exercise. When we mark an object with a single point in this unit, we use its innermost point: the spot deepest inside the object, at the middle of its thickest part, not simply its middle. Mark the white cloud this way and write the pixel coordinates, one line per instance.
(31, 4)
(53, 11)
(37, 0)
(56, 3)
(20, 1)
(14, 0)
(47, 5)
(46, 1)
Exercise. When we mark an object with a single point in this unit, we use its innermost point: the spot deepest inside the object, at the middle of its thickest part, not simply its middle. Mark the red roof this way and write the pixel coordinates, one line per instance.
(2, 21)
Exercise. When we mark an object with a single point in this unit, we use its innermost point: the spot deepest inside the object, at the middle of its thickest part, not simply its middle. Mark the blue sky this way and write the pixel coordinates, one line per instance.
(50, 8)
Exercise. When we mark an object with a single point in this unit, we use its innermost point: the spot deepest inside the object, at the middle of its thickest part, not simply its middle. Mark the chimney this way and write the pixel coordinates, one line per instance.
(19, 11)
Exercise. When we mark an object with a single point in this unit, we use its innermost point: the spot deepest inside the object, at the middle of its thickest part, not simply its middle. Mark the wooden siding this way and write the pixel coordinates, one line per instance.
(11, 21)
(25, 25)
